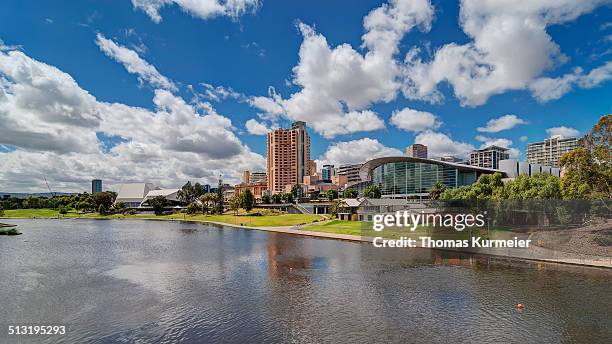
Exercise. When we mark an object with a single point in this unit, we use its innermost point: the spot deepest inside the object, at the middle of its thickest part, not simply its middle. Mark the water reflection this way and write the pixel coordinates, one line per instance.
(149, 281)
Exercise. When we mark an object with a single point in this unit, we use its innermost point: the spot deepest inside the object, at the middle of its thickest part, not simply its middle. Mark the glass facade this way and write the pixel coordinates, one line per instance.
(412, 178)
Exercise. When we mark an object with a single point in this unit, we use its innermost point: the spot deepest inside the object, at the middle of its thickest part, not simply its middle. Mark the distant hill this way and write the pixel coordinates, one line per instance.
(23, 195)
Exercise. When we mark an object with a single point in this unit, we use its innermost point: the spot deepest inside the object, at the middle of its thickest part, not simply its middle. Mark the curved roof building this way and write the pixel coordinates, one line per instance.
(401, 177)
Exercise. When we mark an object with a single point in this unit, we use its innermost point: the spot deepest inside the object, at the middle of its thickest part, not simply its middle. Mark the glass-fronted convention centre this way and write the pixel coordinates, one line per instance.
(400, 177)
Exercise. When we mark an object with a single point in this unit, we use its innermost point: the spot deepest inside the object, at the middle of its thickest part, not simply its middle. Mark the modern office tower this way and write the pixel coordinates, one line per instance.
(96, 186)
(417, 150)
(549, 151)
(246, 177)
(288, 156)
(327, 172)
(489, 157)
(350, 171)
(258, 177)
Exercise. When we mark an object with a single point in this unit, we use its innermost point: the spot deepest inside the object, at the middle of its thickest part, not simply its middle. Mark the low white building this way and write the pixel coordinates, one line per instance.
(169, 194)
(134, 193)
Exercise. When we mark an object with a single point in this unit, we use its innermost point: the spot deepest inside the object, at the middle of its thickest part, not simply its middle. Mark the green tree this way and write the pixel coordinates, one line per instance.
(335, 207)
(105, 198)
(198, 190)
(158, 203)
(588, 169)
(436, 190)
(219, 200)
(350, 193)
(372, 191)
(331, 194)
(119, 206)
(1, 210)
(192, 208)
(187, 193)
(287, 197)
(296, 190)
(102, 210)
(265, 199)
(277, 198)
(315, 195)
(64, 210)
(247, 200)
(234, 204)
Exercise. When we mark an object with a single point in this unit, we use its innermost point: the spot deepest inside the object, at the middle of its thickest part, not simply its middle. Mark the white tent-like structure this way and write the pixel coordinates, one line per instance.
(133, 194)
(169, 194)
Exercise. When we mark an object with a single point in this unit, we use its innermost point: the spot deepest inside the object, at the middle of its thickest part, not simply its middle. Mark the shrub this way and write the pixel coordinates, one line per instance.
(63, 210)
(192, 208)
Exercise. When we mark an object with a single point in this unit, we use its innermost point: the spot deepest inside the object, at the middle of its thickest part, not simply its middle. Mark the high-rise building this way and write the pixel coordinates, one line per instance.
(350, 171)
(288, 156)
(313, 168)
(96, 186)
(549, 151)
(246, 177)
(257, 177)
(489, 157)
(327, 172)
(417, 150)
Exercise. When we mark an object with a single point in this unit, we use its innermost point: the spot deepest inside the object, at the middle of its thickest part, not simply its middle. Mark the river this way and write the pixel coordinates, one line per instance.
(163, 282)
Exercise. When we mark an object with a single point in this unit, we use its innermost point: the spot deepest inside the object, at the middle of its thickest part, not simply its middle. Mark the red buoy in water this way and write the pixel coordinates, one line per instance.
(519, 306)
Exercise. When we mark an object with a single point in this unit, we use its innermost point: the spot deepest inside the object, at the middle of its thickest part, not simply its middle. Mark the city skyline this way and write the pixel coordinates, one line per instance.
(173, 93)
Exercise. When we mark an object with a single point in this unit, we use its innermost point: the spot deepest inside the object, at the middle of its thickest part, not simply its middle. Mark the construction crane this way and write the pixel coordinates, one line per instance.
(51, 192)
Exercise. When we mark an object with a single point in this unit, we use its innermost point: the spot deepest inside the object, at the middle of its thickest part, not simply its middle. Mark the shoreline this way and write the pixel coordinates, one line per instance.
(535, 254)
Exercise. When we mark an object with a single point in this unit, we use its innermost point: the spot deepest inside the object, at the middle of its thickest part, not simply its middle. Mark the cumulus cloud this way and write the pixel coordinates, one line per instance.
(356, 151)
(563, 131)
(439, 144)
(500, 142)
(502, 123)
(413, 120)
(546, 89)
(256, 128)
(339, 83)
(52, 124)
(484, 67)
(203, 9)
(134, 63)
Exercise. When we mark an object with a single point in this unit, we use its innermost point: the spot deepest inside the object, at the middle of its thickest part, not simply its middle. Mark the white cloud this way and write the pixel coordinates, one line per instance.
(546, 89)
(133, 63)
(203, 9)
(484, 66)
(504, 122)
(523, 138)
(271, 106)
(256, 128)
(500, 142)
(356, 151)
(563, 131)
(218, 93)
(439, 144)
(338, 84)
(413, 120)
(53, 122)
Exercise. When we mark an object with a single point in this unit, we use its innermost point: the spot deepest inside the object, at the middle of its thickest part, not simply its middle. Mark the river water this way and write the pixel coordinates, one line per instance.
(135, 281)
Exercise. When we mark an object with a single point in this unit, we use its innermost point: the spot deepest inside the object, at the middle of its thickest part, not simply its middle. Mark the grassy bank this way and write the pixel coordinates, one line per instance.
(268, 220)
(365, 229)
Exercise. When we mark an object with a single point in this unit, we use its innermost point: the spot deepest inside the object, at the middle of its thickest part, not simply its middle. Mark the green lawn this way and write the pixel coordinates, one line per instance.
(365, 229)
(275, 220)
(35, 213)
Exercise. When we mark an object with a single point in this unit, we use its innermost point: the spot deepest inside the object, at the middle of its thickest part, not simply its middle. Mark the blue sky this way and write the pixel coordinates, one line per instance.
(557, 53)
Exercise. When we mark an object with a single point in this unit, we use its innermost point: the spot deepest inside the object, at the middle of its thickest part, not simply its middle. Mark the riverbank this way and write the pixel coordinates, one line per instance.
(316, 226)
